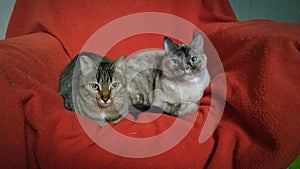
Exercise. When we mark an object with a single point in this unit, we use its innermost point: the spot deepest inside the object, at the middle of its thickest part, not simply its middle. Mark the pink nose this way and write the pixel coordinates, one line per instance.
(105, 99)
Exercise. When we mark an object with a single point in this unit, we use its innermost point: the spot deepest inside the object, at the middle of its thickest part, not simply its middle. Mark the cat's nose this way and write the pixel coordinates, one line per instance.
(105, 99)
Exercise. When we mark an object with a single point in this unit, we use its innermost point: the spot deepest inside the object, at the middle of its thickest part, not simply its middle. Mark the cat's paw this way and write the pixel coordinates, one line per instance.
(176, 110)
(172, 109)
(137, 103)
(188, 109)
(139, 99)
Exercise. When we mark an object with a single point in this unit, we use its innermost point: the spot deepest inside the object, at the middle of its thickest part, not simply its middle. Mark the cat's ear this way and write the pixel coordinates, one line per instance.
(117, 63)
(87, 65)
(169, 44)
(198, 43)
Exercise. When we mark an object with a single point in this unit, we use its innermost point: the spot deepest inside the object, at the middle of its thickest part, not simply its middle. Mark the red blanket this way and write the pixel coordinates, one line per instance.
(260, 124)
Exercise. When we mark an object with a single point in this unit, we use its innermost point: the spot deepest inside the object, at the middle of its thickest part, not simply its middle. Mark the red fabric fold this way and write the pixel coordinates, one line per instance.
(74, 22)
(259, 127)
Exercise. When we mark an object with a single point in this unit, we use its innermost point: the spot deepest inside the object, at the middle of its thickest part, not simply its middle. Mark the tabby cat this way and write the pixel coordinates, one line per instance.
(172, 80)
(92, 85)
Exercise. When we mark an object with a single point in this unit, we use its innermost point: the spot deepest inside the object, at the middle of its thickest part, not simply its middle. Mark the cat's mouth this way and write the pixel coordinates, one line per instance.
(104, 103)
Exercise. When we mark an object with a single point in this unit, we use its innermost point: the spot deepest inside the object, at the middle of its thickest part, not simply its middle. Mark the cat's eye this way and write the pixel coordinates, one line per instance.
(174, 61)
(114, 85)
(94, 86)
(194, 59)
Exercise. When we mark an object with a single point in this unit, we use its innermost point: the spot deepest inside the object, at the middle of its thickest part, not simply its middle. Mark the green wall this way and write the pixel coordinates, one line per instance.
(278, 10)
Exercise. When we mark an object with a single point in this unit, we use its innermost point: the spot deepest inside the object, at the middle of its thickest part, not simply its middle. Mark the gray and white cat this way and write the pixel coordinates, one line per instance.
(172, 80)
(92, 85)
(183, 77)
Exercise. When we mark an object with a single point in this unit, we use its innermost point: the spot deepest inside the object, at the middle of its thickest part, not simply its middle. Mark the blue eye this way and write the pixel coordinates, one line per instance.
(194, 59)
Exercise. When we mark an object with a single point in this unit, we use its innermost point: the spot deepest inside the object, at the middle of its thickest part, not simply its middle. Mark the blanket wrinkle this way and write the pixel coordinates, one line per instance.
(40, 17)
(15, 120)
(276, 44)
(216, 12)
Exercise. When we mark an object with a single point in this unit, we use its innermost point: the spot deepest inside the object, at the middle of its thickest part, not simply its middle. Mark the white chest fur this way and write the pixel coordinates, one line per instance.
(189, 91)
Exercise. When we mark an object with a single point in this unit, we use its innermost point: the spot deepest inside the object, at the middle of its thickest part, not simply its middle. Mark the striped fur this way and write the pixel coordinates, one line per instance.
(97, 89)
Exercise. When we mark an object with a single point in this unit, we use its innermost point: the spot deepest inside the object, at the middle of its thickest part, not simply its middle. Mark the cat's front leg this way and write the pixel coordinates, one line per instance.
(172, 109)
(159, 99)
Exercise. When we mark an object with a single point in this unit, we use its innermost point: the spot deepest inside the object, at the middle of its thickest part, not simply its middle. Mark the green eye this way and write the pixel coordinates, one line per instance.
(115, 85)
(94, 86)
